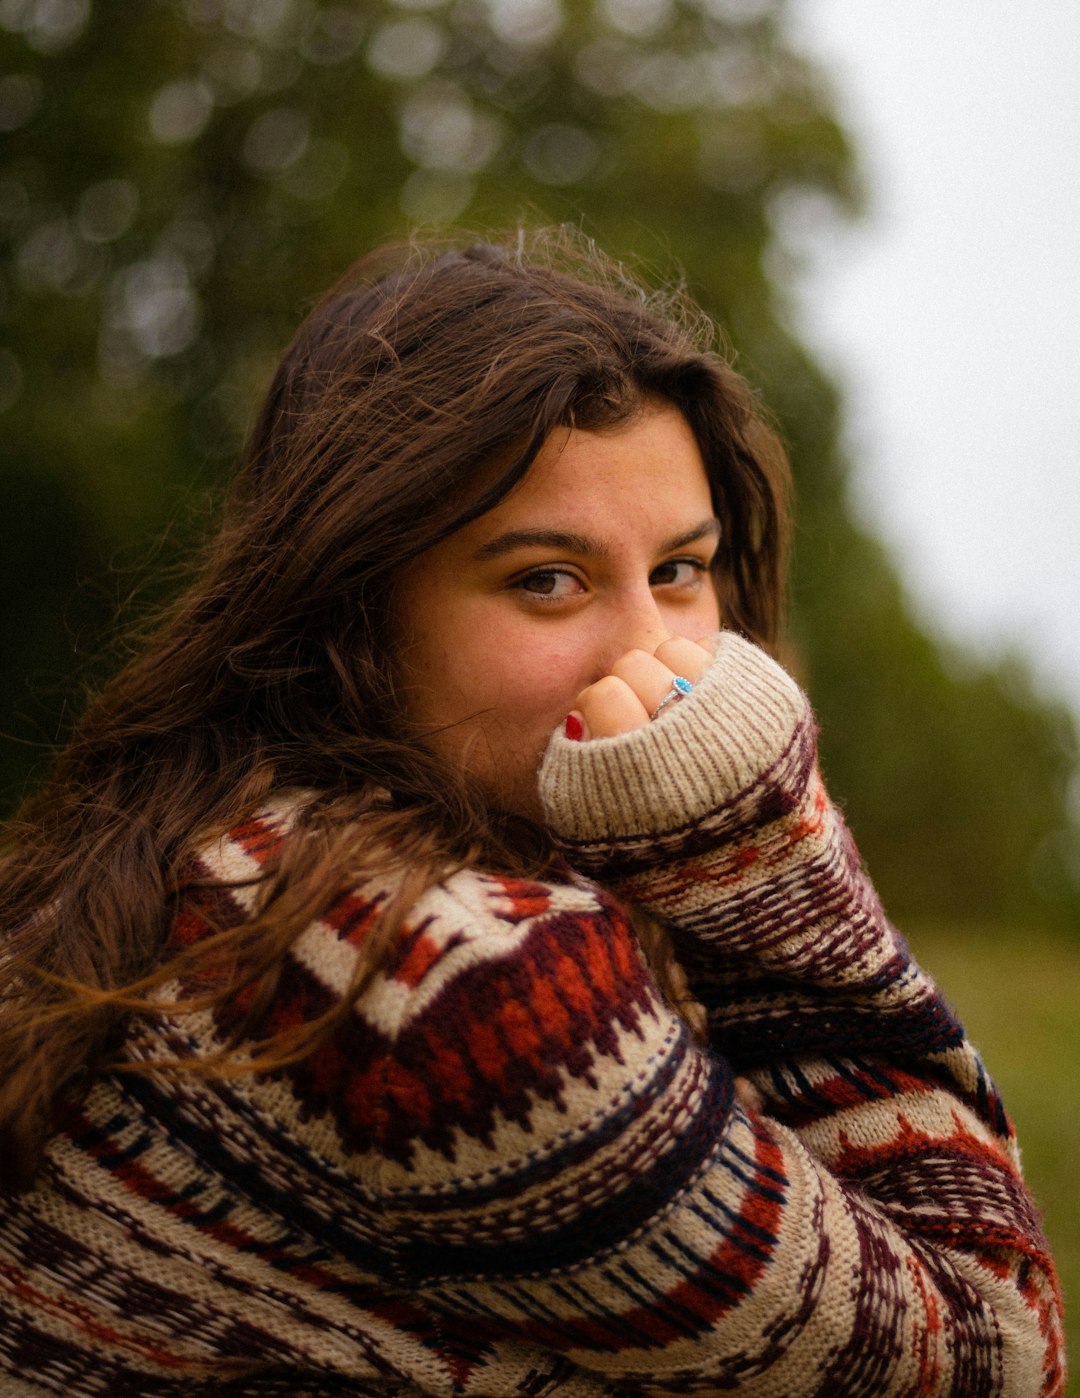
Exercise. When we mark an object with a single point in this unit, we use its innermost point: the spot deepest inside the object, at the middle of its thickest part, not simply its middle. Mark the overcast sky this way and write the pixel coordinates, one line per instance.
(953, 315)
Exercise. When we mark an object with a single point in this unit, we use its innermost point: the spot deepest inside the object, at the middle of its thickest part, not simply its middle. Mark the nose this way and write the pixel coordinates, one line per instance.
(637, 623)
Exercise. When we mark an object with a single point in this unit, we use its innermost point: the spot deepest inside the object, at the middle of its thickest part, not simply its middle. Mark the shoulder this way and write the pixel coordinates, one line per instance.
(218, 885)
(510, 1015)
(472, 923)
(479, 914)
(498, 999)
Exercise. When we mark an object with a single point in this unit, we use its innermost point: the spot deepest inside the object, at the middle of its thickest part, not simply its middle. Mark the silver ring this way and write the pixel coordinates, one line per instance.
(680, 687)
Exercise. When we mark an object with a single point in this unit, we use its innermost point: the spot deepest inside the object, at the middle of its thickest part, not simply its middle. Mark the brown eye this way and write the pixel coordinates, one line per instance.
(553, 583)
(678, 572)
(541, 582)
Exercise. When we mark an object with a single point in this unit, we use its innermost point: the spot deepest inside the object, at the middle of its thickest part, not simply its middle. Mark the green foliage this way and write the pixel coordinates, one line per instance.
(181, 178)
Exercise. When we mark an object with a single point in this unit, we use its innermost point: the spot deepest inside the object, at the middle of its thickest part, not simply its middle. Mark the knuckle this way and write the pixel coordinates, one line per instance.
(610, 687)
(631, 662)
(681, 652)
(610, 706)
(599, 690)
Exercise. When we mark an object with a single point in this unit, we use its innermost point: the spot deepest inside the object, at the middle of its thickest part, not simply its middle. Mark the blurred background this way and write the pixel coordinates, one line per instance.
(874, 209)
(952, 313)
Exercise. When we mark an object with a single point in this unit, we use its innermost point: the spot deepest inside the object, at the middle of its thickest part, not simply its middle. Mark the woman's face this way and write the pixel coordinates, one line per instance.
(604, 547)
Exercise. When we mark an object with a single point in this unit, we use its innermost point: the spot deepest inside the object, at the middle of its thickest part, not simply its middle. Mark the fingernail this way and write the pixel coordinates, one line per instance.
(575, 727)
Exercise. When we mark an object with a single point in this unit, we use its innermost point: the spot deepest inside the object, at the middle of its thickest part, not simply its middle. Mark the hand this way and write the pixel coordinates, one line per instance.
(627, 698)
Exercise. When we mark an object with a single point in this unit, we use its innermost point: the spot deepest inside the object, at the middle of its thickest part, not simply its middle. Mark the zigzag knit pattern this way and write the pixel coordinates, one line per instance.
(513, 1172)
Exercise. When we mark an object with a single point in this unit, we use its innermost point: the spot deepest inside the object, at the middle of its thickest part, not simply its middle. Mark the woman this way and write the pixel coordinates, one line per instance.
(336, 1063)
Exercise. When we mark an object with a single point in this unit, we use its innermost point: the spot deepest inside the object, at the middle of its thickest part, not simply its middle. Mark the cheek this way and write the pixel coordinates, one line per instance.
(484, 673)
(712, 613)
(504, 694)
(704, 616)
(441, 645)
(537, 678)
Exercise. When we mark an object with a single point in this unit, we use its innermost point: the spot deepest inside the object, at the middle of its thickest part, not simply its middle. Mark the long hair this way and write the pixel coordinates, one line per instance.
(411, 400)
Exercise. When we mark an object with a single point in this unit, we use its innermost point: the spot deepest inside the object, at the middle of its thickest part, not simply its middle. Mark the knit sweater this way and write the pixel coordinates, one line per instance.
(514, 1172)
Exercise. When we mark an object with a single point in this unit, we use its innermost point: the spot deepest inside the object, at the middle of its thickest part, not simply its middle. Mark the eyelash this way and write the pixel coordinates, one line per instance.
(698, 565)
(521, 584)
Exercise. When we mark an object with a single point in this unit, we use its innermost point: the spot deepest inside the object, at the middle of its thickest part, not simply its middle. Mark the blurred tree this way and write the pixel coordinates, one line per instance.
(181, 177)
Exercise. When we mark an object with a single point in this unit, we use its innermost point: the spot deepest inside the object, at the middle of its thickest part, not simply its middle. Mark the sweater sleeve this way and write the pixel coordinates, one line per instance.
(715, 818)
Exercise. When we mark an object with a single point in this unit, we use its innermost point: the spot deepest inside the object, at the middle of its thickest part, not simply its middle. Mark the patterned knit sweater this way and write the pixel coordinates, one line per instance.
(513, 1171)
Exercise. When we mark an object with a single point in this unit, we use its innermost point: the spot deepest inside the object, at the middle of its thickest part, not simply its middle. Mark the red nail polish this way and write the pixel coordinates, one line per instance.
(575, 729)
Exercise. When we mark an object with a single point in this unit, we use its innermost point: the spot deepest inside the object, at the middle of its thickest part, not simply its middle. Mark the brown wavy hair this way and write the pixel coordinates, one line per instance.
(411, 400)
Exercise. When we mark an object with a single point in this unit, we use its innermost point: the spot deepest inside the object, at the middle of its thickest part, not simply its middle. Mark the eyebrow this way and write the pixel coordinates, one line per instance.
(569, 542)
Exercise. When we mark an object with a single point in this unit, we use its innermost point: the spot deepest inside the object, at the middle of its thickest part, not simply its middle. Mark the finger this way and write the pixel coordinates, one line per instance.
(684, 657)
(609, 707)
(649, 678)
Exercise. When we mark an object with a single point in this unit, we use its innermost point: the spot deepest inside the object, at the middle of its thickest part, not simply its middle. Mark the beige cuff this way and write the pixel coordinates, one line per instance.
(700, 753)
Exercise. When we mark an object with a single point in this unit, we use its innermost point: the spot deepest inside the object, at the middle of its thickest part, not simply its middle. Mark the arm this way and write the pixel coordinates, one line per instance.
(811, 992)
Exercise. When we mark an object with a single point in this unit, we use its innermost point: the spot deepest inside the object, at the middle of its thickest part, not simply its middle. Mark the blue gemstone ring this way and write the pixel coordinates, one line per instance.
(680, 687)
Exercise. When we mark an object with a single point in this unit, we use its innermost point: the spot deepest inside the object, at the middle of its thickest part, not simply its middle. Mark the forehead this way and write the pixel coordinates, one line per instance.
(646, 475)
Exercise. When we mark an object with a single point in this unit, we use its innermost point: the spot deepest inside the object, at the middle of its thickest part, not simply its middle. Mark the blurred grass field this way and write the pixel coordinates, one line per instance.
(1019, 997)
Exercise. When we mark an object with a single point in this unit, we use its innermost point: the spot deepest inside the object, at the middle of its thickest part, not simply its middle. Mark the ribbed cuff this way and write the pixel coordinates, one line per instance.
(700, 753)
